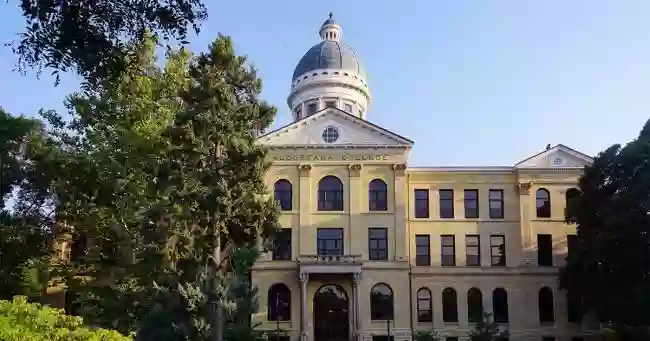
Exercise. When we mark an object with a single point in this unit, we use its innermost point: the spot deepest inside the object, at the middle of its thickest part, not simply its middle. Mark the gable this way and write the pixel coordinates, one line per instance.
(342, 128)
(559, 156)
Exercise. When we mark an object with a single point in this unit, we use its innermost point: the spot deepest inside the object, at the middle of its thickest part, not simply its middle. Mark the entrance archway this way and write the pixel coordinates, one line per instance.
(331, 314)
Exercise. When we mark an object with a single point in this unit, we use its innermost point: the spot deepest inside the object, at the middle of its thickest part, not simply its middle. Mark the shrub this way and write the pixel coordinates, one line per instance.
(23, 321)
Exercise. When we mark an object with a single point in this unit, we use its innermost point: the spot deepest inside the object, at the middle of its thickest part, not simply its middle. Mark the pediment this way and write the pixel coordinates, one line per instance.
(559, 156)
(342, 129)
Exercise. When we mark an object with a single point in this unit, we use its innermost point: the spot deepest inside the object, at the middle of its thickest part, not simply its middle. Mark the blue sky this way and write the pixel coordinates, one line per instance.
(471, 82)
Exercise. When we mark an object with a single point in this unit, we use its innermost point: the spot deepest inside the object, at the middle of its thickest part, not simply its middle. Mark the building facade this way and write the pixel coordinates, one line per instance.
(370, 247)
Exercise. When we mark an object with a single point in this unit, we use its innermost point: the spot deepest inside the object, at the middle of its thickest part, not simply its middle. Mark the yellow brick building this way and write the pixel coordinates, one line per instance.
(371, 247)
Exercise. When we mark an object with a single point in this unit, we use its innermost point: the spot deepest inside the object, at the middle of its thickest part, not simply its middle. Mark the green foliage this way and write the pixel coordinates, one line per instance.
(159, 170)
(607, 272)
(22, 321)
(92, 37)
(425, 335)
(487, 330)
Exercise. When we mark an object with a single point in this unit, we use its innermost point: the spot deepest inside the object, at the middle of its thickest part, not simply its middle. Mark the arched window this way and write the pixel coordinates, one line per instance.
(474, 305)
(571, 200)
(543, 203)
(377, 195)
(279, 303)
(330, 194)
(282, 191)
(500, 305)
(381, 302)
(425, 309)
(449, 305)
(546, 305)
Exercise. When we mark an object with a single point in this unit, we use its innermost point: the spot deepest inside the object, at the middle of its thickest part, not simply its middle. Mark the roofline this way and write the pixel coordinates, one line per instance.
(388, 132)
(560, 146)
(490, 169)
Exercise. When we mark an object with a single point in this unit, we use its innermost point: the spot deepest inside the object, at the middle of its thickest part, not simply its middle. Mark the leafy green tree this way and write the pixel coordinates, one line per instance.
(161, 174)
(24, 233)
(22, 321)
(92, 38)
(487, 330)
(608, 267)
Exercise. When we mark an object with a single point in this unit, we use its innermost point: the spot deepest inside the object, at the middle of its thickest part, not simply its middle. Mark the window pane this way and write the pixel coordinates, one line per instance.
(473, 243)
(448, 250)
(422, 250)
(378, 243)
(498, 250)
(446, 203)
(471, 203)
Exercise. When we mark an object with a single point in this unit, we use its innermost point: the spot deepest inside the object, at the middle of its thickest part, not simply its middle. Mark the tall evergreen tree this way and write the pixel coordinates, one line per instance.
(159, 171)
(608, 269)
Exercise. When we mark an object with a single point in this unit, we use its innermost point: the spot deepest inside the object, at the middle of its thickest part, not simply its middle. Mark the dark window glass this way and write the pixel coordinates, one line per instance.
(571, 244)
(383, 338)
(473, 250)
(330, 104)
(548, 338)
(544, 250)
(449, 305)
(500, 305)
(451, 338)
(474, 305)
(282, 245)
(378, 243)
(283, 194)
(498, 250)
(574, 309)
(471, 203)
(381, 302)
(330, 194)
(446, 203)
(422, 203)
(546, 305)
(424, 306)
(377, 195)
(576, 338)
(543, 203)
(422, 250)
(312, 108)
(572, 197)
(496, 203)
(279, 303)
(448, 250)
(330, 242)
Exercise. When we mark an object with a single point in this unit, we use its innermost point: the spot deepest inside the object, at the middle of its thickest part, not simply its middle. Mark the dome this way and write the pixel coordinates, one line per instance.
(329, 54)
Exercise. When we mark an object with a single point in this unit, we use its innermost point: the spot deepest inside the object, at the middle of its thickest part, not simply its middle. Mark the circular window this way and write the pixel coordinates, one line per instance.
(330, 134)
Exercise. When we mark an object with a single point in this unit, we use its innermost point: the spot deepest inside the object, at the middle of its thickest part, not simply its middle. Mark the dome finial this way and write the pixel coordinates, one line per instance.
(330, 30)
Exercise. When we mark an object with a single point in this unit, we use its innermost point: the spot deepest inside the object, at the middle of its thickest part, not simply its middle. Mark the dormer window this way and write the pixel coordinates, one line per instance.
(298, 112)
(330, 104)
(348, 108)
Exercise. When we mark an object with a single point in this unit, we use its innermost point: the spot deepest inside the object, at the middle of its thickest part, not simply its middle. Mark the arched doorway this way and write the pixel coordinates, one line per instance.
(331, 314)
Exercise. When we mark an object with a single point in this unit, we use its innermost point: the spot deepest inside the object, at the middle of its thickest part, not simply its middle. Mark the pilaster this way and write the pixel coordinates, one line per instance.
(304, 278)
(355, 198)
(356, 316)
(305, 199)
(527, 245)
(400, 204)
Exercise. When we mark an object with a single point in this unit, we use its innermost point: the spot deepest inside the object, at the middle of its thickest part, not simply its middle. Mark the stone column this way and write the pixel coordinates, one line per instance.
(304, 278)
(356, 315)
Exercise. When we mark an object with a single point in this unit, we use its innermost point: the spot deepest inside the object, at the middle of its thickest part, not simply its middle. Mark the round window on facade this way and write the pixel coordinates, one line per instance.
(330, 134)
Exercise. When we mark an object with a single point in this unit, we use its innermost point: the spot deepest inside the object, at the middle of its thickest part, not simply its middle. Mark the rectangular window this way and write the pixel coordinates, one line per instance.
(544, 250)
(571, 241)
(446, 203)
(422, 203)
(473, 250)
(471, 203)
(348, 108)
(422, 250)
(448, 250)
(495, 198)
(378, 243)
(330, 242)
(330, 104)
(312, 108)
(498, 250)
(298, 111)
(282, 245)
(451, 338)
